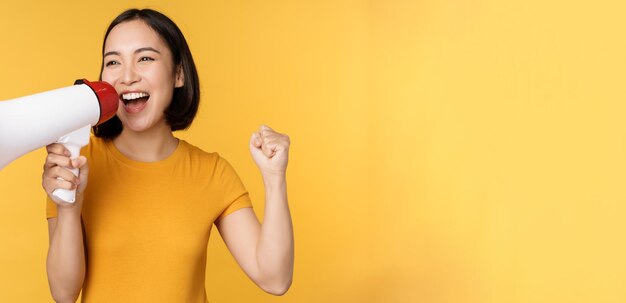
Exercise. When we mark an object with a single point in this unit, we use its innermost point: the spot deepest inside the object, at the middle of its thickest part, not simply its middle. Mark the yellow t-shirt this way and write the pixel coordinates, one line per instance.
(147, 224)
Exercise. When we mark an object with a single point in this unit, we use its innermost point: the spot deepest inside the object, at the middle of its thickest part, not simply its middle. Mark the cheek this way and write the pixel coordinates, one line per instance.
(108, 77)
(112, 75)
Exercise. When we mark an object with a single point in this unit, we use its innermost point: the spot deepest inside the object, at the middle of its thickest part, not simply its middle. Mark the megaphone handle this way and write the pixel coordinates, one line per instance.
(73, 141)
(66, 194)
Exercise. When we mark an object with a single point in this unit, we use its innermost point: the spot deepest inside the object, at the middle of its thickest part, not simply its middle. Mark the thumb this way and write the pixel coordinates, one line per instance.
(255, 140)
(76, 162)
(83, 172)
(81, 163)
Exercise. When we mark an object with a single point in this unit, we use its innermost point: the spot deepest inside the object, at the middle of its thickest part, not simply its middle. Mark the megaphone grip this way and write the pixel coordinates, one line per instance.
(73, 141)
(66, 194)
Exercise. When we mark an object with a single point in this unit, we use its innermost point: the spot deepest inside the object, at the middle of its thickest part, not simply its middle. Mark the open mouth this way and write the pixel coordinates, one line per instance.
(136, 97)
(134, 102)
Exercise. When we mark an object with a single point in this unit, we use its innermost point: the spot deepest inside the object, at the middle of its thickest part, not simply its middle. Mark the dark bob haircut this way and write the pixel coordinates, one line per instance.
(185, 99)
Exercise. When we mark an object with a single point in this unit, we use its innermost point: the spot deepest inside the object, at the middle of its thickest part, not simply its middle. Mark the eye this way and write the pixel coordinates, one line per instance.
(142, 59)
(112, 62)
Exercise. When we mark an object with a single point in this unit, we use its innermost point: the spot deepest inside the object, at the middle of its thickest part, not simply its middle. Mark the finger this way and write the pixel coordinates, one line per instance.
(83, 173)
(57, 160)
(61, 172)
(265, 130)
(57, 148)
(278, 144)
(272, 136)
(269, 148)
(50, 185)
(268, 133)
(80, 162)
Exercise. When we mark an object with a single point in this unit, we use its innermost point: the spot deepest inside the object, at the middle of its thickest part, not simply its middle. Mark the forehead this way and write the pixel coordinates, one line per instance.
(131, 35)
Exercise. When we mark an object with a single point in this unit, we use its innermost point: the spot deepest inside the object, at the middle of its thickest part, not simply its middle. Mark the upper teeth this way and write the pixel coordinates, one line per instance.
(133, 96)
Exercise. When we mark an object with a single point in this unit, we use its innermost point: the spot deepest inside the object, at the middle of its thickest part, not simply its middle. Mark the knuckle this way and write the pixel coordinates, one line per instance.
(57, 170)
(52, 148)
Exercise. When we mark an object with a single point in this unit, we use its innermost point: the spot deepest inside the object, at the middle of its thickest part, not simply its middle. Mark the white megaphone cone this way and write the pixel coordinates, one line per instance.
(63, 115)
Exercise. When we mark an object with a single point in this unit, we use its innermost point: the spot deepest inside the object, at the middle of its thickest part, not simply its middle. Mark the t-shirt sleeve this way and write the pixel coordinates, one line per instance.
(51, 208)
(235, 196)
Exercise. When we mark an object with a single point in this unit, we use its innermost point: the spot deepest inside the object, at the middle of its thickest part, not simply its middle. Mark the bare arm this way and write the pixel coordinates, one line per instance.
(265, 252)
(66, 258)
(66, 253)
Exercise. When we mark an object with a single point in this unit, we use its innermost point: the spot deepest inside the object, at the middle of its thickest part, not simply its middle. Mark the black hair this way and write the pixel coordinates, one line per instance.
(185, 99)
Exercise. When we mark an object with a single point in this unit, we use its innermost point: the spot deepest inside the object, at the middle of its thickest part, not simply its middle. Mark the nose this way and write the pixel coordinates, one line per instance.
(129, 75)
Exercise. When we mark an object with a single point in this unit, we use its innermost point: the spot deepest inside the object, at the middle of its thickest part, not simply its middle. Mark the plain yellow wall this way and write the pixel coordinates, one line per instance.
(442, 151)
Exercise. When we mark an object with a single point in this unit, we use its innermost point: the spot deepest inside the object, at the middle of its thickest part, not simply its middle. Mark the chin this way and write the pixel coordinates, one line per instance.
(136, 126)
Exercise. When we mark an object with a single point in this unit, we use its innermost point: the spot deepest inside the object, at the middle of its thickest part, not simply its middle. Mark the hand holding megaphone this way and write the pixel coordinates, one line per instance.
(63, 115)
(73, 142)
(63, 174)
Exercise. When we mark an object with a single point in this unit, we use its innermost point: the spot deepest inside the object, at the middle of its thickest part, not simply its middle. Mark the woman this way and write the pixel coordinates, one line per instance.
(139, 232)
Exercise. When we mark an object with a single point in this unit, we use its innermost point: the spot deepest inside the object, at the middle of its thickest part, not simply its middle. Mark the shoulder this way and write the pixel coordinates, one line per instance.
(196, 160)
(197, 154)
(211, 162)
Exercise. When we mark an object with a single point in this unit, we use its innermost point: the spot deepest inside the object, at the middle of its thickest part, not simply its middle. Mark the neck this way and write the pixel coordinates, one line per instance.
(151, 145)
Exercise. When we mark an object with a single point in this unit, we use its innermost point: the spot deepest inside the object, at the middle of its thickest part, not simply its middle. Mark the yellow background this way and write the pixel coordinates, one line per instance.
(442, 151)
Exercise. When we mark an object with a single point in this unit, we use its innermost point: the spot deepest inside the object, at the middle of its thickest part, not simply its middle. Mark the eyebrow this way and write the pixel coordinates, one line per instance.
(139, 50)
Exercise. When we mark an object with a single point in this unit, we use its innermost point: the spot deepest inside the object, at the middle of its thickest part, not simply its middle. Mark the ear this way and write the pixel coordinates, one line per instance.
(180, 77)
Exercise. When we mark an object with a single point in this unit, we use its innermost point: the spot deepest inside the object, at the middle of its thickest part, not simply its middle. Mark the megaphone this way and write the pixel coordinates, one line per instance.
(63, 115)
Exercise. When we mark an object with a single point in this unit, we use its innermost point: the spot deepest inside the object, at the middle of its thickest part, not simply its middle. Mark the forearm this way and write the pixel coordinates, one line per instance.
(275, 249)
(66, 257)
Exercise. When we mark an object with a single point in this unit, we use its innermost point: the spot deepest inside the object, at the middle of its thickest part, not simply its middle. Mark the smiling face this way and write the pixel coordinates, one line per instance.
(139, 64)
